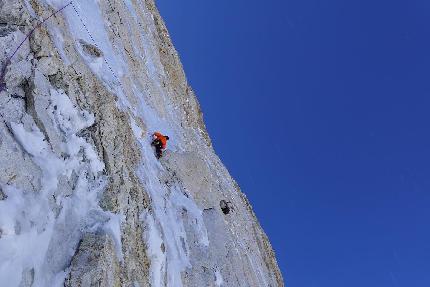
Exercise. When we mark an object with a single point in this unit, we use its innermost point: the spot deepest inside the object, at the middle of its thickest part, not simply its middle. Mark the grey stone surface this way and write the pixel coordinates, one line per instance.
(238, 251)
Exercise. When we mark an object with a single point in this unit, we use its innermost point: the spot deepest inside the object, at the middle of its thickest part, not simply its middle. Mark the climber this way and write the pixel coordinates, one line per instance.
(160, 143)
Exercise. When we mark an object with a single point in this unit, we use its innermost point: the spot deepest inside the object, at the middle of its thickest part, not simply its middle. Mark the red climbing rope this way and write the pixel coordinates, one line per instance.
(8, 60)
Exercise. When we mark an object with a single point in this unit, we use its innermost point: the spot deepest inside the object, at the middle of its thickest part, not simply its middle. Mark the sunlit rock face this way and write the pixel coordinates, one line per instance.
(83, 199)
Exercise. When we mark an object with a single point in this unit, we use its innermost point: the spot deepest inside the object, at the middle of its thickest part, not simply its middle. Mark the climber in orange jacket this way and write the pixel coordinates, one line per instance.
(160, 143)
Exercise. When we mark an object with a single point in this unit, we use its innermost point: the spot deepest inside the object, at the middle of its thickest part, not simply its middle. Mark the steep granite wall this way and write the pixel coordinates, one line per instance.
(83, 200)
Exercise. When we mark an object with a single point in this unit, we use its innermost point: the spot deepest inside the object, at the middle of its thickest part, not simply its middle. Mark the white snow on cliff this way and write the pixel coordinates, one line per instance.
(30, 221)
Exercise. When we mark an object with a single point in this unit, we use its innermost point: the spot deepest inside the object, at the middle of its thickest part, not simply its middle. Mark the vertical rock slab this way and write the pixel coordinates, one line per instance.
(83, 199)
(94, 264)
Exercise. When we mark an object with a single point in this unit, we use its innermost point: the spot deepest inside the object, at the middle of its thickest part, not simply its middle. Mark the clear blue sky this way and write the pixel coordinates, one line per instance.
(321, 111)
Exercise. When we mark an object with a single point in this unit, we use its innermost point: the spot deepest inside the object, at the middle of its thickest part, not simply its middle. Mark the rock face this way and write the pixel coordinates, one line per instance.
(83, 200)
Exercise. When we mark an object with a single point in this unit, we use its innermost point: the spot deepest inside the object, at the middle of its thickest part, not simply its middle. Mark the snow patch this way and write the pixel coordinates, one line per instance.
(85, 22)
(58, 39)
(165, 224)
(158, 258)
(113, 228)
(170, 210)
(218, 278)
(41, 230)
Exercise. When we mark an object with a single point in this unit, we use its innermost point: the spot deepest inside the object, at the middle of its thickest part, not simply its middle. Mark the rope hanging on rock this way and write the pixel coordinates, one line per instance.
(8, 60)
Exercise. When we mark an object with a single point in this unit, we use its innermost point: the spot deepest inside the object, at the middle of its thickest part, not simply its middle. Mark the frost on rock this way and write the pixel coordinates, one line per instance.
(41, 230)
(86, 92)
(165, 231)
(218, 278)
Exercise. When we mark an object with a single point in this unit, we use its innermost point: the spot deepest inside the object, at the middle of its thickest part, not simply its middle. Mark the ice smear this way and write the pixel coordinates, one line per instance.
(195, 213)
(131, 8)
(113, 228)
(29, 8)
(58, 39)
(70, 120)
(158, 258)
(85, 22)
(152, 63)
(165, 221)
(218, 278)
(26, 230)
(40, 230)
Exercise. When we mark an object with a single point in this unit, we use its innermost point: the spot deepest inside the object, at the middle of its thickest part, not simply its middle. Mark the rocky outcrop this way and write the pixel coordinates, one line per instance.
(83, 200)
(94, 264)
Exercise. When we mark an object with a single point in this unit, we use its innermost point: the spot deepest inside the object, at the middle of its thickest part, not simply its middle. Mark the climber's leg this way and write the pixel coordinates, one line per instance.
(158, 151)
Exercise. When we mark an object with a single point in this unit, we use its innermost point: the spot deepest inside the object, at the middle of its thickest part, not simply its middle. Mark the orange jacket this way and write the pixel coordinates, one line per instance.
(162, 138)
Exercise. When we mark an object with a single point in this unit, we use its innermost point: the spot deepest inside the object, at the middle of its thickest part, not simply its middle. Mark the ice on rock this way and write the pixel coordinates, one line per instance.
(218, 278)
(31, 227)
(116, 58)
(165, 226)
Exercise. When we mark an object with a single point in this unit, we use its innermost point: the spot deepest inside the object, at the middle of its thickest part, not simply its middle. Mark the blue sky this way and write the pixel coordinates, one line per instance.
(320, 110)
